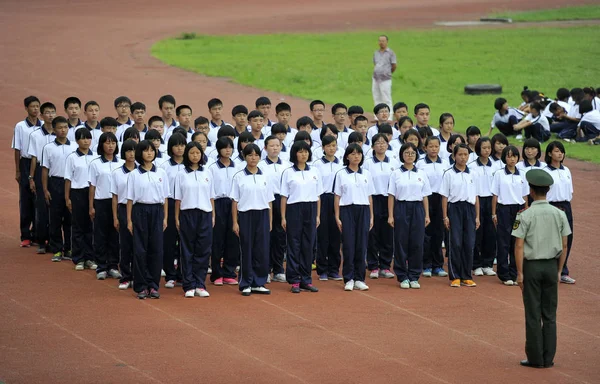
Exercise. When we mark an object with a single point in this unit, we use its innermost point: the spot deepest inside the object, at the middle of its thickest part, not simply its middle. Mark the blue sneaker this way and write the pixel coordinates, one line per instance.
(322, 277)
(427, 272)
(335, 276)
(440, 272)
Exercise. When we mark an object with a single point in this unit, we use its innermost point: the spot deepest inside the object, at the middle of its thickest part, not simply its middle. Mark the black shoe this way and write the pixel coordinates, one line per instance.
(295, 288)
(154, 294)
(143, 294)
(309, 288)
(549, 365)
(526, 363)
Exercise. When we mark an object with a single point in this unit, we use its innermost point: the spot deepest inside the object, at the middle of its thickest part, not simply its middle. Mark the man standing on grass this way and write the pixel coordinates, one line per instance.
(384, 60)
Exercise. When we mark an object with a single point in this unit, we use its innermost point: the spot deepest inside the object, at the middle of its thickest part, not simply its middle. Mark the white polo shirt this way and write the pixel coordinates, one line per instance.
(240, 163)
(301, 186)
(343, 137)
(318, 153)
(172, 169)
(562, 189)
(524, 167)
(78, 167)
(160, 159)
(510, 187)
(504, 118)
(142, 134)
(373, 130)
(54, 156)
(574, 111)
(251, 191)
(100, 175)
(381, 172)
(21, 135)
(118, 183)
(122, 127)
(434, 171)
(409, 185)
(327, 170)
(195, 189)
(484, 175)
(222, 177)
(148, 187)
(73, 128)
(354, 188)
(540, 119)
(390, 153)
(260, 142)
(549, 114)
(459, 185)
(273, 170)
(444, 154)
(496, 163)
(37, 140)
(592, 117)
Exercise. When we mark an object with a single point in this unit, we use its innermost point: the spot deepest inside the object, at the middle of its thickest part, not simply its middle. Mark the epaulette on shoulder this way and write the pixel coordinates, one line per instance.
(522, 210)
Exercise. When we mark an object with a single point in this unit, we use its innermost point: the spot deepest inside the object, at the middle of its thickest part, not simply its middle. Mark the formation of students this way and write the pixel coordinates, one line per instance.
(256, 202)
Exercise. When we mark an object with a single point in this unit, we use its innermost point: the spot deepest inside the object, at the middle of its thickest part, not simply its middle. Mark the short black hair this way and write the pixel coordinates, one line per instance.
(379, 107)
(109, 122)
(378, 136)
(403, 119)
(539, 191)
(498, 138)
(175, 139)
(283, 107)
(214, 102)
(140, 148)
(429, 139)
(459, 146)
(351, 148)
(414, 132)
(121, 100)
(532, 143)
(222, 143)
(550, 148)
(154, 119)
(91, 103)
(473, 130)
(83, 133)
(182, 131)
(128, 145)
(59, 120)
(421, 106)
(181, 108)
(563, 94)
(316, 102)
(453, 139)
(480, 142)
(354, 137)
(385, 128)
(254, 114)
(263, 100)
(303, 121)
(200, 120)
(166, 99)
(106, 137)
(47, 105)
(355, 110)
(329, 127)
(297, 147)
(510, 149)
(30, 99)
(131, 133)
(270, 138)
(360, 118)
(278, 128)
(186, 154)
(537, 106)
(303, 135)
(585, 106)
(244, 137)
(499, 103)
(153, 134)
(337, 106)
(577, 95)
(400, 104)
(330, 139)
(70, 100)
(403, 149)
(226, 130)
(554, 107)
(445, 116)
(239, 109)
(137, 106)
(249, 149)
(198, 133)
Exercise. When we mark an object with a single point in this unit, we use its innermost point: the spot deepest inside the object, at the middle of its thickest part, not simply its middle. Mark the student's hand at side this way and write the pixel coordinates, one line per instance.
(47, 196)
(164, 224)
(339, 224)
(92, 213)
(391, 221)
(477, 223)
(495, 220)
(130, 227)
(214, 219)
(116, 224)
(371, 223)
(177, 224)
(520, 281)
(18, 176)
(447, 223)
(236, 229)
(69, 206)
(32, 185)
(318, 221)
(427, 221)
(284, 224)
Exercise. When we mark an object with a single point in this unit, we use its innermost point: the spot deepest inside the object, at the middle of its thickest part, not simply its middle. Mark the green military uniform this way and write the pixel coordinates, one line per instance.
(542, 227)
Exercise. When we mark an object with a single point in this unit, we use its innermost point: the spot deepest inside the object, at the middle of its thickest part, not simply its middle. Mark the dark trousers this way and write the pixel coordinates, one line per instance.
(461, 239)
(506, 214)
(195, 234)
(355, 232)
(589, 131)
(566, 130)
(254, 244)
(409, 234)
(301, 232)
(566, 207)
(538, 132)
(42, 211)
(171, 249)
(147, 245)
(328, 239)
(485, 240)
(106, 237)
(540, 299)
(60, 217)
(81, 225)
(125, 245)
(434, 234)
(277, 240)
(26, 202)
(507, 128)
(225, 245)
(381, 237)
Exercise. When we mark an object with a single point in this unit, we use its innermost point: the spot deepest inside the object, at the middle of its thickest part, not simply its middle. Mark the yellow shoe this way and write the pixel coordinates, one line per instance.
(455, 283)
(468, 283)
(314, 266)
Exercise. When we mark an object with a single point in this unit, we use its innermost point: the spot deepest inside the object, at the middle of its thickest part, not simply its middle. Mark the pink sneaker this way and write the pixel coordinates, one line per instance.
(219, 281)
(230, 281)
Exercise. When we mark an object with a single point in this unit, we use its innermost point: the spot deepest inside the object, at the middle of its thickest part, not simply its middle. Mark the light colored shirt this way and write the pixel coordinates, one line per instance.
(222, 177)
(509, 187)
(327, 170)
(484, 178)
(354, 188)
(37, 140)
(252, 191)
(434, 171)
(118, 183)
(195, 189)
(383, 64)
(381, 172)
(459, 186)
(408, 185)
(562, 189)
(77, 168)
(100, 175)
(54, 156)
(22, 132)
(273, 170)
(148, 187)
(301, 186)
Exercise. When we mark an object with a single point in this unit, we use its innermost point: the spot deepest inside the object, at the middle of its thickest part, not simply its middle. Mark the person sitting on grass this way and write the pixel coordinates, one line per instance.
(588, 128)
(505, 118)
(535, 124)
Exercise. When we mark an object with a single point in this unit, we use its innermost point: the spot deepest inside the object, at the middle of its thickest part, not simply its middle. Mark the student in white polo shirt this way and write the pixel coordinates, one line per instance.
(194, 217)
(301, 188)
(252, 196)
(225, 244)
(535, 124)
(286, 140)
(499, 142)
(77, 189)
(106, 237)
(460, 208)
(172, 167)
(408, 209)
(380, 249)
(505, 117)
(122, 105)
(510, 190)
(382, 113)
(484, 252)
(589, 126)
(353, 207)
(147, 216)
(130, 133)
(240, 142)
(20, 144)
(273, 166)
(53, 162)
(328, 233)
(202, 139)
(561, 193)
(118, 190)
(328, 130)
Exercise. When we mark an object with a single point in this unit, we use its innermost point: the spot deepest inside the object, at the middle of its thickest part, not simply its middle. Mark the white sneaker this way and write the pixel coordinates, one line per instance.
(415, 285)
(162, 273)
(519, 137)
(201, 292)
(209, 271)
(361, 286)
(190, 293)
(508, 282)
(170, 284)
(405, 284)
(386, 274)
(280, 278)
(247, 291)
(349, 285)
(478, 272)
(89, 264)
(269, 278)
(101, 275)
(124, 285)
(489, 271)
(261, 290)
(115, 274)
(80, 266)
(374, 274)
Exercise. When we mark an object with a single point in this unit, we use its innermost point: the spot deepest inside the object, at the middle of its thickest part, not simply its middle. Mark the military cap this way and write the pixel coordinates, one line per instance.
(539, 178)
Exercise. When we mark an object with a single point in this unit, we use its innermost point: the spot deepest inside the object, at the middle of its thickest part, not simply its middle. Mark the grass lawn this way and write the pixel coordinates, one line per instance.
(585, 12)
(433, 66)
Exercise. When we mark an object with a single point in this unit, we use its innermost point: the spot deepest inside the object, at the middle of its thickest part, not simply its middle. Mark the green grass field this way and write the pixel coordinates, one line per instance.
(434, 66)
(585, 12)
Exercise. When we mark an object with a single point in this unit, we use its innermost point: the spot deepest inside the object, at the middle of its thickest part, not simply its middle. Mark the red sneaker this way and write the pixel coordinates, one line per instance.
(230, 281)
(219, 281)
(25, 243)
